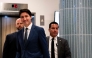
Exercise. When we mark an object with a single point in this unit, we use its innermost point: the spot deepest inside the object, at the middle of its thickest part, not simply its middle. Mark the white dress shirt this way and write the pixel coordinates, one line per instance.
(28, 31)
(55, 46)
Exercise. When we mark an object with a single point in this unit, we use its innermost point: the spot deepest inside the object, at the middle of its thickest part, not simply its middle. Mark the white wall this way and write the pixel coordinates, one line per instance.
(40, 7)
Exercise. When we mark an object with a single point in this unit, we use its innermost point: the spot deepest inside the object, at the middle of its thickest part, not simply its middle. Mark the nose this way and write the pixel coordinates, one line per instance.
(24, 18)
(55, 30)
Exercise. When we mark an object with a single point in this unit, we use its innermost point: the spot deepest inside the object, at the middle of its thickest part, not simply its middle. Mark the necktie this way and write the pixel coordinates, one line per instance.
(25, 37)
(52, 49)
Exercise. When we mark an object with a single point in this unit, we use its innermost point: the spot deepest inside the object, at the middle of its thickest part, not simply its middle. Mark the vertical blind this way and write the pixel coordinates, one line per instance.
(76, 26)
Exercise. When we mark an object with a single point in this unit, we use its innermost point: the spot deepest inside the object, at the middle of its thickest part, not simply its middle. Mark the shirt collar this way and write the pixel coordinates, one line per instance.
(55, 38)
(29, 27)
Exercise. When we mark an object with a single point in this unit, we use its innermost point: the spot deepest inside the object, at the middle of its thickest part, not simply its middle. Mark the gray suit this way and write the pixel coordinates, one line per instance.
(62, 47)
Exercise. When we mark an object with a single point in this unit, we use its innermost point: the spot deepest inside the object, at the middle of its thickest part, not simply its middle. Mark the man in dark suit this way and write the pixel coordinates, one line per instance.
(58, 47)
(9, 49)
(32, 39)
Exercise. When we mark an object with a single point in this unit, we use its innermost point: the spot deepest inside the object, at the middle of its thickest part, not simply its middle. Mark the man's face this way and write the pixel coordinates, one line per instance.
(53, 30)
(26, 18)
(19, 24)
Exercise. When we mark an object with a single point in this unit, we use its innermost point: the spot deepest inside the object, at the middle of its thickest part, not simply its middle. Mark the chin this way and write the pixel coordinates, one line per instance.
(55, 35)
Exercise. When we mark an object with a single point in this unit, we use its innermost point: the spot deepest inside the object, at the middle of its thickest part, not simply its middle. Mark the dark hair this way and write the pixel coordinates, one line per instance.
(52, 23)
(25, 10)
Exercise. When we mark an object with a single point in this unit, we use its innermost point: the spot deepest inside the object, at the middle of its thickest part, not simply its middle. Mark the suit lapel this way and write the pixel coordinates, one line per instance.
(48, 41)
(58, 45)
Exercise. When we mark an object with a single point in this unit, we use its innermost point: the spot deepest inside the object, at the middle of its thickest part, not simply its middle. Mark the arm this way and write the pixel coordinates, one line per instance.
(43, 43)
(6, 47)
(18, 53)
(67, 50)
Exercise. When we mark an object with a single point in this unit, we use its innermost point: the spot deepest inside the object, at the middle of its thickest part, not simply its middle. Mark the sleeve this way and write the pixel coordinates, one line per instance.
(67, 50)
(18, 53)
(43, 43)
(6, 48)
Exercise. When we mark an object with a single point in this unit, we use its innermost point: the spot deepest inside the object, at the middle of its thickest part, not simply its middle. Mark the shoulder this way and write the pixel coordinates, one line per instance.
(11, 34)
(38, 28)
(62, 39)
(19, 31)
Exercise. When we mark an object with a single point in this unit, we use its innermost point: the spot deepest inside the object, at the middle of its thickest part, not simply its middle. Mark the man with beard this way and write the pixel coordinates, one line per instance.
(9, 50)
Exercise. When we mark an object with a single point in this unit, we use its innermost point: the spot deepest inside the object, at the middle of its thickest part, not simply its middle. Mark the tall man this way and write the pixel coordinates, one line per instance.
(58, 47)
(32, 39)
(9, 50)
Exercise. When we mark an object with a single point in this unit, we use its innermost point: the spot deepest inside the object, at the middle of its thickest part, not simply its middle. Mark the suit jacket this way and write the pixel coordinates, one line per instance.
(9, 49)
(36, 45)
(62, 47)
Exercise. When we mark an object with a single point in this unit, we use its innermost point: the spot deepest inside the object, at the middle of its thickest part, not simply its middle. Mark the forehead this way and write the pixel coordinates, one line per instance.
(18, 21)
(54, 25)
(24, 13)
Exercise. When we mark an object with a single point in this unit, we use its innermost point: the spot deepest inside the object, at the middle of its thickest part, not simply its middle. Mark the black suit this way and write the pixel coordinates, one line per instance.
(62, 47)
(9, 50)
